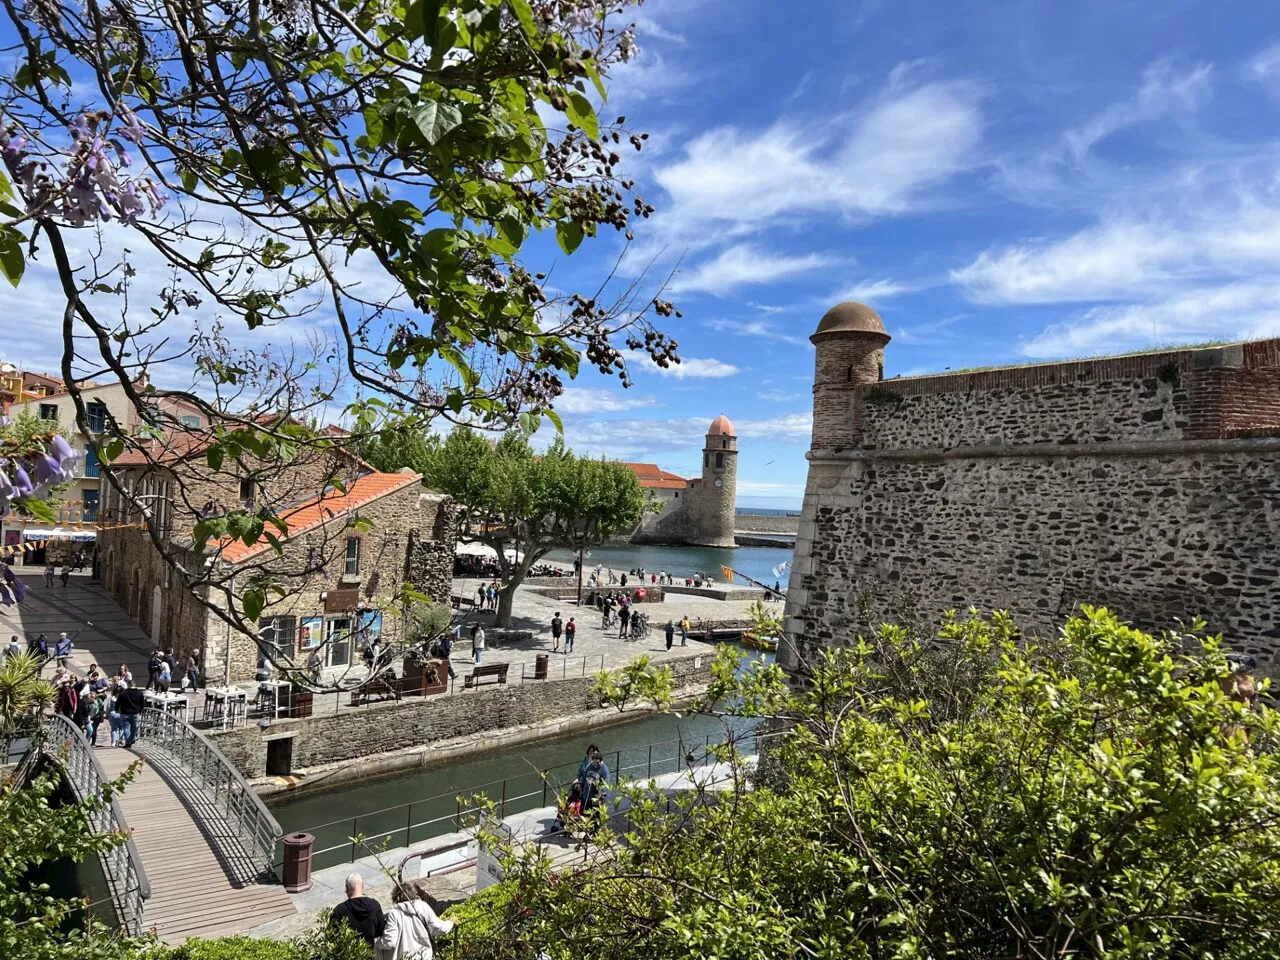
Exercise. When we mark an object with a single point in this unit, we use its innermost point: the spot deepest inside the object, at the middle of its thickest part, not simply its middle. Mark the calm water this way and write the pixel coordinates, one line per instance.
(643, 747)
(757, 562)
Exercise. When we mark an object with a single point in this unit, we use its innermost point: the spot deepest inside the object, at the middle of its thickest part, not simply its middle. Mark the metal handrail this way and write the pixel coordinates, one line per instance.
(241, 807)
(122, 865)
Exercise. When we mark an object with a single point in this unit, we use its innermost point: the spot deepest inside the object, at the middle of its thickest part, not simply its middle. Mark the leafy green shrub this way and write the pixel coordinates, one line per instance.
(1109, 795)
(234, 948)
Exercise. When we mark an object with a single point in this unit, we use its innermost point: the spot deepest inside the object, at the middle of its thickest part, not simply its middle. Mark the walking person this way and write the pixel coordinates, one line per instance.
(481, 595)
(66, 573)
(446, 649)
(557, 626)
(129, 704)
(62, 649)
(49, 571)
(40, 648)
(164, 678)
(671, 633)
(193, 670)
(570, 631)
(684, 630)
(97, 710)
(624, 618)
(477, 643)
(153, 670)
(11, 649)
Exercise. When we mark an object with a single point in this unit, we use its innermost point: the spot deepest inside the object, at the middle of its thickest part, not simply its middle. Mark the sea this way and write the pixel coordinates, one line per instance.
(758, 563)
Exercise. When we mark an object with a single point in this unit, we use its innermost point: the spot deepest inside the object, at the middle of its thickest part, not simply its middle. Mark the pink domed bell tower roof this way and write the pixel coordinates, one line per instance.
(721, 427)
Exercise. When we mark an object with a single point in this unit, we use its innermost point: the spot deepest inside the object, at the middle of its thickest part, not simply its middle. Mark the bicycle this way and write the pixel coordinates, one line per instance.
(608, 620)
(639, 626)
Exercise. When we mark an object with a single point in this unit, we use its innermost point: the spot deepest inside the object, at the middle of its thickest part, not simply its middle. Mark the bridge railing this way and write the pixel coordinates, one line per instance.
(215, 775)
(126, 879)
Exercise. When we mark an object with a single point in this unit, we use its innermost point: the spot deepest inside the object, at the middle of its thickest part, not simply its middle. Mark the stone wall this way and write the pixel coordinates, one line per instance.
(415, 722)
(1148, 484)
(766, 523)
(431, 553)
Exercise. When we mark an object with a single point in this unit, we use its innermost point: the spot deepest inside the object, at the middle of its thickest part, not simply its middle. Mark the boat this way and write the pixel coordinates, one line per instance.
(749, 639)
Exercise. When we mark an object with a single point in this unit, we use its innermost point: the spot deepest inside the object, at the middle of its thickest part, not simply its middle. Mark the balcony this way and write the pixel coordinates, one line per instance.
(65, 514)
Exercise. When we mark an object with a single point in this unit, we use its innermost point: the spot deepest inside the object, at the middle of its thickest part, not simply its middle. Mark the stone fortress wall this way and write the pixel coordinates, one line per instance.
(1147, 483)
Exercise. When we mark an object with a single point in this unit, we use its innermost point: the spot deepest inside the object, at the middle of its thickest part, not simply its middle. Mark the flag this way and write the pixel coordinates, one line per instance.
(728, 573)
(780, 569)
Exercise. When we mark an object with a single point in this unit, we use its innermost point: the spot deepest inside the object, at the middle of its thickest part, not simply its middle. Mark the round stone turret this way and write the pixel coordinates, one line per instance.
(849, 342)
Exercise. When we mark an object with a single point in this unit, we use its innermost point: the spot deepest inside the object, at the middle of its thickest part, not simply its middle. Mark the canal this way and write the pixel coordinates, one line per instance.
(415, 806)
(756, 562)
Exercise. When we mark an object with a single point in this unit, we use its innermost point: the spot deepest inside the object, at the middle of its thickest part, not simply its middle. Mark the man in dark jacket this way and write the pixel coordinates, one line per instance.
(129, 705)
(363, 913)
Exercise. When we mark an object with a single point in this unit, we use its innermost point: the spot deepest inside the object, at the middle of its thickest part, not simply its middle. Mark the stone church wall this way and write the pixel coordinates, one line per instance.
(1147, 484)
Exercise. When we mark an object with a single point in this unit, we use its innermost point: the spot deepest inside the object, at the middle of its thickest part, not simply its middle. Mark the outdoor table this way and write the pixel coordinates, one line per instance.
(172, 703)
(276, 688)
(224, 705)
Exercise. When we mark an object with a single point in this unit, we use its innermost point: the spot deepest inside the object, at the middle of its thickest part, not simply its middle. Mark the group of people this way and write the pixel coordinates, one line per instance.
(163, 667)
(86, 701)
(487, 596)
(585, 800)
(569, 631)
(402, 933)
(73, 564)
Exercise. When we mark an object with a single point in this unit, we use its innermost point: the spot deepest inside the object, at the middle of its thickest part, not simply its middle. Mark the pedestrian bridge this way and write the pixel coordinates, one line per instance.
(201, 842)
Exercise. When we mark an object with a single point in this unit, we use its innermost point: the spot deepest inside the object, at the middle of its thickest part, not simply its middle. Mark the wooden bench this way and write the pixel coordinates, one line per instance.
(498, 670)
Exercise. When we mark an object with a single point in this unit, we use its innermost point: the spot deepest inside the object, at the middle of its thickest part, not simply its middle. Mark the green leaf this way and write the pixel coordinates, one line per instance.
(214, 457)
(524, 13)
(6, 188)
(113, 449)
(555, 419)
(427, 19)
(37, 509)
(583, 115)
(253, 601)
(569, 235)
(373, 126)
(189, 181)
(12, 261)
(435, 120)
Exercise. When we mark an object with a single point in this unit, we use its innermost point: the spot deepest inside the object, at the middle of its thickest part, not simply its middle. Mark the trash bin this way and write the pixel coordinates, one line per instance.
(540, 666)
(297, 861)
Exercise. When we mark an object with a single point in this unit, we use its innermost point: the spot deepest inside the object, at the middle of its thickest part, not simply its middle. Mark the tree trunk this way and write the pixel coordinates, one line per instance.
(506, 598)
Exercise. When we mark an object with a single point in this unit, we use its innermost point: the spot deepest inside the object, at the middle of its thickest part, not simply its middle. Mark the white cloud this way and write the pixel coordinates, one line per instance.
(731, 182)
(741, 265)
(1264, 68)
(777, 396)
(587, 400)
(753, 328)
(1231, 312)
(1165, 90)
(696, 368)
(871, 291)
(651, 440)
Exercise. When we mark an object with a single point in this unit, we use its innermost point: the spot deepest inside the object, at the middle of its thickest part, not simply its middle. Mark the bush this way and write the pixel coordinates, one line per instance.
(970, 796)
(234, 948)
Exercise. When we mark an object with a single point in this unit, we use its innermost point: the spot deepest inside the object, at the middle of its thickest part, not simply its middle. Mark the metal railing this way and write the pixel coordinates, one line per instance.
(127, 881)
(218, 779)
(397, 826)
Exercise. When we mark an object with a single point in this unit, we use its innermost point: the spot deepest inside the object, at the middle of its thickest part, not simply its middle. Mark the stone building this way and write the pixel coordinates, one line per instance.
(699, 512)
(355, 537)
(1147, 483)
(77, 509)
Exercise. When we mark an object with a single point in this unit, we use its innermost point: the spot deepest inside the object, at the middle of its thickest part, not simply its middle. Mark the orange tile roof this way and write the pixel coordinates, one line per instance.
(320, 510)
(653, 477)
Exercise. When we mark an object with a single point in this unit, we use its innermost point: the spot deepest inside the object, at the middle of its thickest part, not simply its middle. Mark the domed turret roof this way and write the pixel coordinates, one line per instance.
(721, 427)
(851, 317)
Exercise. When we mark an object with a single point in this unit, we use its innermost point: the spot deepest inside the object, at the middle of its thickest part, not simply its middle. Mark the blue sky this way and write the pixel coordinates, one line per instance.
(1006, 182)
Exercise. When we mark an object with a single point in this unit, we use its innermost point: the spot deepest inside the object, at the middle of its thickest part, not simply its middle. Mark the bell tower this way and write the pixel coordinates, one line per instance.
(718, 499)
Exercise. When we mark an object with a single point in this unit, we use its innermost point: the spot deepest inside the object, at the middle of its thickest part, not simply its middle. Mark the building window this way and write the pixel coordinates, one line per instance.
(848, 376)
(92, 468)
(190, 421)
(880, 370)
(48, 411)
(91, 506)
(677, 494)
(277, 635)
(95, 415)
(352, 567)
(719, 460)
(248, 493)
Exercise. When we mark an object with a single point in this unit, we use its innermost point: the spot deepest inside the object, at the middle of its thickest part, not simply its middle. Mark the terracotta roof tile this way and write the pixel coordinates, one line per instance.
(653, 477)
(319, 510)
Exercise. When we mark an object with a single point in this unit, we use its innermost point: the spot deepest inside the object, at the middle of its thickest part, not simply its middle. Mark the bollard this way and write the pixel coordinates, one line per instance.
(297, 861)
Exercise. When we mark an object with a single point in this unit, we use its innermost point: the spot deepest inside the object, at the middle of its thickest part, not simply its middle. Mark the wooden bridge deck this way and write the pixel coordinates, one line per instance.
(201, 881)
